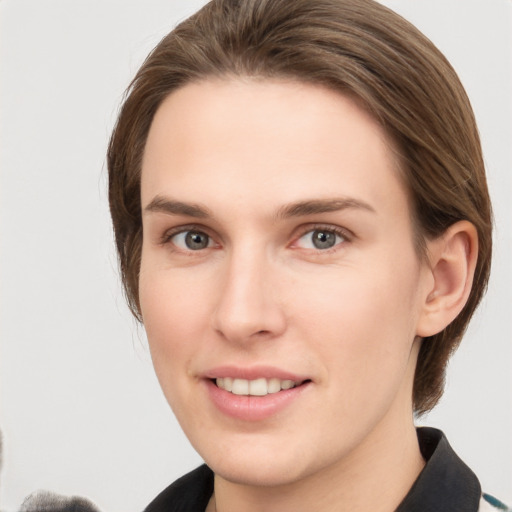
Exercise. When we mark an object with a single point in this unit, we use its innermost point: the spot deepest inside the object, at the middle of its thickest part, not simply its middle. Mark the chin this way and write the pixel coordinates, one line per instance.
(266, 464)
(247, 473)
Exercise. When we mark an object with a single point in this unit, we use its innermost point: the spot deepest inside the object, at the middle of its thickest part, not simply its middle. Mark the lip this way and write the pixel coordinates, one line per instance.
(253, 408)
(252, 373)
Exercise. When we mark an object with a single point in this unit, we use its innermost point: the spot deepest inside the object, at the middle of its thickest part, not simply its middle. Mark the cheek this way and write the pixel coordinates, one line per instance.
(357, 300)
(363, 323)
(170, 311)
(173, 312)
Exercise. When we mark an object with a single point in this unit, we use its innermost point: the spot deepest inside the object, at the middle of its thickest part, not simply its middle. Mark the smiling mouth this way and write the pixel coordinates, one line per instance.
(257, 387)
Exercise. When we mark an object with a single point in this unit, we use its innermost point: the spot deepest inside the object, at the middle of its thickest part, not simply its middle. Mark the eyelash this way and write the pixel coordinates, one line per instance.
(170, 233)
(343, 233)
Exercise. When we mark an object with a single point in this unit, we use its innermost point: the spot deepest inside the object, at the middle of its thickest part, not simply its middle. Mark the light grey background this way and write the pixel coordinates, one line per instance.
(81, 411)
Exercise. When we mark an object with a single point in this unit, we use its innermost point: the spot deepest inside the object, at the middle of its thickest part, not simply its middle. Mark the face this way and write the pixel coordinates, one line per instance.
(279, 285)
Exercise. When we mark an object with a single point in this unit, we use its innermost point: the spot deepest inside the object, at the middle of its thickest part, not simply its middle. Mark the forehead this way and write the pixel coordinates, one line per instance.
(256, 135)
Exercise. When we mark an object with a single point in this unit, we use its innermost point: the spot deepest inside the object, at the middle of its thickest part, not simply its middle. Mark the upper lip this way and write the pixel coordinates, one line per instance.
(253, 373)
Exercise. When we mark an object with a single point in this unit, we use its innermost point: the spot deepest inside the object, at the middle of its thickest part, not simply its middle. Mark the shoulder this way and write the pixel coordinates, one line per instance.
(189, 493)
(489, 503)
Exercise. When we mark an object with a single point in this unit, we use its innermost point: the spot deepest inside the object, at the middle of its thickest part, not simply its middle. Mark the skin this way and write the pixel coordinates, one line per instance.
(349, 317)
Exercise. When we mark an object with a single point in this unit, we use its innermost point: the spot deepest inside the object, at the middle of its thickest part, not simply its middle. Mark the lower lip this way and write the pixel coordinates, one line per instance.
(253, 408)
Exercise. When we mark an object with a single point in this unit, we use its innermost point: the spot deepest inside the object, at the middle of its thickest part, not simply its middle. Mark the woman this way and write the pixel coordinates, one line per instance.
(303, 226)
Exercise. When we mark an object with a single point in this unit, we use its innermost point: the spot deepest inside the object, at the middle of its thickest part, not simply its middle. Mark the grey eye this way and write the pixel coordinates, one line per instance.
(196, 240)
(320, 239)
(191, 240)
(323, 239)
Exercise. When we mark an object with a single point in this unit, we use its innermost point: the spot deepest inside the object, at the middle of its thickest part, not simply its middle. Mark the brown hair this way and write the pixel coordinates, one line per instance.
(356, 47)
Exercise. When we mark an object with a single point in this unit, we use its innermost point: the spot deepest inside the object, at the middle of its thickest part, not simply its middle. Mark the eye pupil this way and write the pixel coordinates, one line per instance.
(196, 240)
(323, 239)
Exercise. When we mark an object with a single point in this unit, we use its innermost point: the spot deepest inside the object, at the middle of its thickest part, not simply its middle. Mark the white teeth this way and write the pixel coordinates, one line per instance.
(257, 387)
(274, 385)
(228, 383)
(287, 384)
(240, 387)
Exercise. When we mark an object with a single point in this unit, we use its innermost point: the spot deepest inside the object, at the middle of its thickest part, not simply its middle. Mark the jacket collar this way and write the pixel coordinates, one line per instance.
(446, 484)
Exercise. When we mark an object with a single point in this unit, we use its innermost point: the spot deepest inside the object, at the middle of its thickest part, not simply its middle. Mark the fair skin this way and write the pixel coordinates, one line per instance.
(278, 245)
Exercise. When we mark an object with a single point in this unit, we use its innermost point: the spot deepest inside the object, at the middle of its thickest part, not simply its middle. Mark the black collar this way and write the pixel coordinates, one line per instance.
(446, 484)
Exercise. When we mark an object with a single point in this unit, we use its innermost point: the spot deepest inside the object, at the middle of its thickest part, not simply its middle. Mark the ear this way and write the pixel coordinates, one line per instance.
(452, 259)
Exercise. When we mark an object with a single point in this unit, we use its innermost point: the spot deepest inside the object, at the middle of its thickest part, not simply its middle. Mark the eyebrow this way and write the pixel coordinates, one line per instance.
(161, 204)
(315, 206)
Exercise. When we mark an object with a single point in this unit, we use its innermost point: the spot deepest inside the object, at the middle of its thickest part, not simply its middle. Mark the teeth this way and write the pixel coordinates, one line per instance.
(228, 383)
(274, 385)
(287, 384)
(240, 387)
(257, 387)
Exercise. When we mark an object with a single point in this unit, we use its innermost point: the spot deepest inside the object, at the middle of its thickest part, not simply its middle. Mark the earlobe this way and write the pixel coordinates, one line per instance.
(452, 259)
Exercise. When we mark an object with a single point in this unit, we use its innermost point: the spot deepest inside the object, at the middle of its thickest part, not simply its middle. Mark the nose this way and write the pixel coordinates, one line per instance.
(248, 306)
